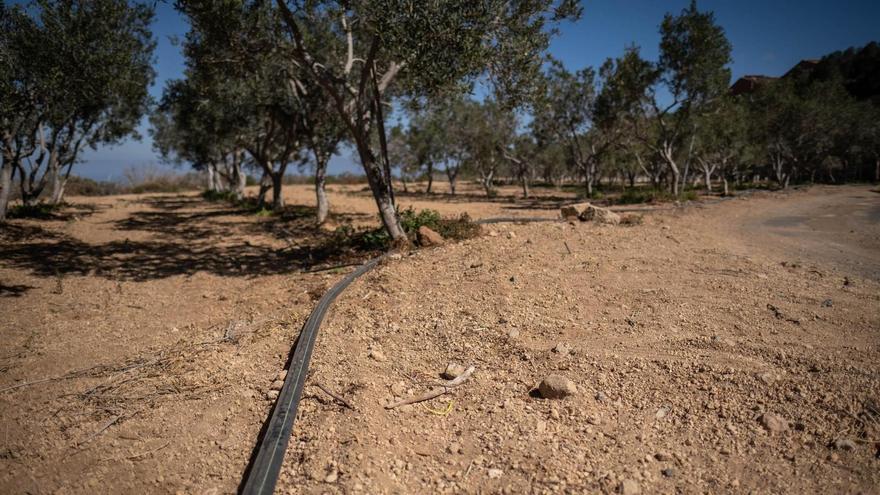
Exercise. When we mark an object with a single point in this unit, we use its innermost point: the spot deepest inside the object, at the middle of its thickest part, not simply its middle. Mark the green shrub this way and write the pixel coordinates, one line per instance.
(40, 211)
(210, 195)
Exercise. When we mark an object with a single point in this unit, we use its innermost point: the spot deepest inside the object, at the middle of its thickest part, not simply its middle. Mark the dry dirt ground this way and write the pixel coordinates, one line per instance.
(733, 347)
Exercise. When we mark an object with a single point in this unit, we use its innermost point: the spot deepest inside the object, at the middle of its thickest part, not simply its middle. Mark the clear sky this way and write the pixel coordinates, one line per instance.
(768, 37)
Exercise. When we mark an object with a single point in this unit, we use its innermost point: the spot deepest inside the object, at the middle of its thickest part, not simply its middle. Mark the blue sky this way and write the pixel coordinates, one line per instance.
(768, 37)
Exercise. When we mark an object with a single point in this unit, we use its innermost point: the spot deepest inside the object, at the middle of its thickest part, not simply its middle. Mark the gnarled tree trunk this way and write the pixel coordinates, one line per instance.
(320, 190)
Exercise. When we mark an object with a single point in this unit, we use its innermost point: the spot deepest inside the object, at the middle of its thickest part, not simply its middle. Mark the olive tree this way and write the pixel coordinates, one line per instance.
(78, 76)
(665, 98)
(417, 48)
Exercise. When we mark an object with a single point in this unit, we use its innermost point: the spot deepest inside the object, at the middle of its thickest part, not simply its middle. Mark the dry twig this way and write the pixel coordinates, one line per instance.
(338, 398)
(443, 387)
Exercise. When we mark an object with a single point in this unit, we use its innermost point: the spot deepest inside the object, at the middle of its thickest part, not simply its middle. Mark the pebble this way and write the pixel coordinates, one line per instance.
(773, 423)
(562, 349)
(629, 487)
(662, 456)
(661, 413)
(453, 370)
(556, 387)
(513, 333)
(282, 375)
(454, 448)
(668, 472)
(378, 355)
(272, 395)
(844, 444)
(276, 385)
(495, 473)
(332, 477)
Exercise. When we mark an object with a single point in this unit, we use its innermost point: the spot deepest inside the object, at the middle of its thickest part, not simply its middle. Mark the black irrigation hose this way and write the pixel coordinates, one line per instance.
(262, 472)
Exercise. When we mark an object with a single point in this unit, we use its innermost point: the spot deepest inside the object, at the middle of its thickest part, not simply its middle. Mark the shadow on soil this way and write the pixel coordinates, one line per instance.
(189, 238)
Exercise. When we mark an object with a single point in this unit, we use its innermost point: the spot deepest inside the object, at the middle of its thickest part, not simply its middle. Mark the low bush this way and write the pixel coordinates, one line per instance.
(40, 211)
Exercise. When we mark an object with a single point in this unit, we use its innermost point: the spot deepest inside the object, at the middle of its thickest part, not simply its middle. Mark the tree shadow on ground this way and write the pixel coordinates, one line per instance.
(14, 290)
(189, 238)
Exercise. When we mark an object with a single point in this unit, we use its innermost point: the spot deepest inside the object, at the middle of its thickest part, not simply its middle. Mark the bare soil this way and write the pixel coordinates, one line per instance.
(143, 332)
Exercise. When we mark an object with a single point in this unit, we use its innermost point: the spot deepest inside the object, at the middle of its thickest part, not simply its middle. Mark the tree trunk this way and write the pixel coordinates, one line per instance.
(58, 185)
(673, 167)
(452, 175)
(265, 185)
(239, 177)
(877, 169)
(320, 190)
(277, 198)
(430, 177)
(5, 187)
(380, 186)
(212, 177)
(726, 190)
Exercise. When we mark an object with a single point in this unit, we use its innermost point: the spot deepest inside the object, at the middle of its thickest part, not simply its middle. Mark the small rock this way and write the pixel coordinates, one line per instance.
(844, 444)
(562, 349)
(662, 456)
(511, 235)
(827, 303)
(398, 388)
(513, 333)
(282, 375)
(395, 256)
(668, 472)
(332, 477)
(629, 487)
(556, 387)
(599, 215)
(272, 395)
(428, 237)
(773, 423)
(452, 371)
(495, 473)
(661, 413)
(378, 355)
(454, 448)
(573, 211)
(276, 385)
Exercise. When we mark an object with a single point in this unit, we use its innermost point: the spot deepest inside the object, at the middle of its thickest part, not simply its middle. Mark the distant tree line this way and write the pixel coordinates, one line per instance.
(271, 85)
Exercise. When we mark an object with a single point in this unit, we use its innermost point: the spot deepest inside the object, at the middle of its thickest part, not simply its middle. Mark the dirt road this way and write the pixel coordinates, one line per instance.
(143, 332)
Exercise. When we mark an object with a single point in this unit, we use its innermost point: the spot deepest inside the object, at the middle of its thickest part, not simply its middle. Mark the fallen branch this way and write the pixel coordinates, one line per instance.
(443, 388)
(338, 398)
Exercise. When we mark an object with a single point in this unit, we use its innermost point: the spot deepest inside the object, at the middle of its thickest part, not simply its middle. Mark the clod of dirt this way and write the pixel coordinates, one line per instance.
(513, 333)
(378, 355)
(332, 477)
(428, 237)
(495, 473)
(629, 487)
(773, 423)
(662, 456)
(276, 385)
(668, 472)
(282, 375)
(511, 235)
(844, 444)
(556, 387)
(452, 371)
(272, 395)
(599, 215)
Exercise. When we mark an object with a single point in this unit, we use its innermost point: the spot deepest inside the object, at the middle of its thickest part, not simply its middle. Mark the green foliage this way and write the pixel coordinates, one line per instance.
(458, 228)
(39, 211)
(411, 220)
(638, 195)
(219, 196)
